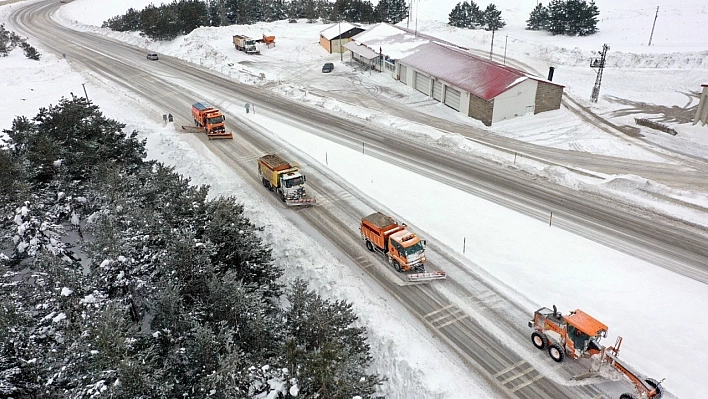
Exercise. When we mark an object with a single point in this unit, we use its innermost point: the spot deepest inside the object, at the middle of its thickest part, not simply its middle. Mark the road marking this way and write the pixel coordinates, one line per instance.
(453, 321)
(445, 316)
(513, 377)
(438, 311)
(527, 383)
(508, 369)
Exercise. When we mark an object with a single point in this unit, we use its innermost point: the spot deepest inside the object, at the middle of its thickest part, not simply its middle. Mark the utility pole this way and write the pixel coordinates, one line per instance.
(491, 49)
(416, 19)
(600, 65)
(654, 24)
(410, 7)
(506, 40)
(341, 53)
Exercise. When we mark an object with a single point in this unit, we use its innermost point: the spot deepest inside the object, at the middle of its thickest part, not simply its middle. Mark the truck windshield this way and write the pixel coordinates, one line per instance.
(297, 181)
(213, 121)
(579, 338)
(414, 249)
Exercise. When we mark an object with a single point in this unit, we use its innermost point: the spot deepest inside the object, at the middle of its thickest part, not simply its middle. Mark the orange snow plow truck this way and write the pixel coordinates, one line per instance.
(404, 250)
(211, 120)
(578, 335)
(285, 179)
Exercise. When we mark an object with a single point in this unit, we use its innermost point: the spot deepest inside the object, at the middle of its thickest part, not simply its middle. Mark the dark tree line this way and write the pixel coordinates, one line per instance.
(10, 40)
(119, 277)
(565, 17)
(182, 16)
(469, 15)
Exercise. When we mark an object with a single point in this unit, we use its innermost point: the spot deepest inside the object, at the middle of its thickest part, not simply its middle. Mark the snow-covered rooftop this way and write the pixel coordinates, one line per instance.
(336, 30)
(390, 40)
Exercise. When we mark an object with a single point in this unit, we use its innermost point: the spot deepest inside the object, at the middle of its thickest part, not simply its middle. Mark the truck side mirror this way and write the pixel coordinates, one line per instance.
(424, 242)
(223, 117)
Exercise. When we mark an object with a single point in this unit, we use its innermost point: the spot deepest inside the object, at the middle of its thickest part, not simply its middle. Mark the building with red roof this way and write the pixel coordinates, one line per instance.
(477, 87)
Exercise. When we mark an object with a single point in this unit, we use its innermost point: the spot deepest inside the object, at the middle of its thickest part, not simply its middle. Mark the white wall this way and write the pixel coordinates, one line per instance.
(517, 101)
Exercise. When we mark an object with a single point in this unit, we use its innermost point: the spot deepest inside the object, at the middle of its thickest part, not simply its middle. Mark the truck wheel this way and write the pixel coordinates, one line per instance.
(265, 182)
(627, 396)
(369, 246)
(397, 266)
(556, 352)
(655, 385)
(539, 340)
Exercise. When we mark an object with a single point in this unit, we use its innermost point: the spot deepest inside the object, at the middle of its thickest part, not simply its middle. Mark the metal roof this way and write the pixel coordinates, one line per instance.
(441, 59)
(585, 323)
(362, 50)
(483, 78)
(336, 30)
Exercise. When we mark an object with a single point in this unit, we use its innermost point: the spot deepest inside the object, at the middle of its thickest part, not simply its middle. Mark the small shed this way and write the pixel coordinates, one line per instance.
(336, 36)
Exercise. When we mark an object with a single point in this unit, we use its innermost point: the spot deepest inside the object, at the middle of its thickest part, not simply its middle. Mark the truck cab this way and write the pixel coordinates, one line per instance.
(408, 250)
(292, 185)
(250, 46)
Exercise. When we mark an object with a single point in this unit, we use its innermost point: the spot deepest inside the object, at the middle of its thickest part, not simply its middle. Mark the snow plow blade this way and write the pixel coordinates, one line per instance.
(301, 201)
(220, 135)
(417, 277)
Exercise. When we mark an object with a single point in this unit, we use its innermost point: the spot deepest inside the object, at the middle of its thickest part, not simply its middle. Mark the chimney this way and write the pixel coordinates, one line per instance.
(550, 73)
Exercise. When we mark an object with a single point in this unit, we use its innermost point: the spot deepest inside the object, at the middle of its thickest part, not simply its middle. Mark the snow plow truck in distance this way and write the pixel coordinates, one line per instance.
(578, 335)
(285, 179)
(210, 120)
(403, 249)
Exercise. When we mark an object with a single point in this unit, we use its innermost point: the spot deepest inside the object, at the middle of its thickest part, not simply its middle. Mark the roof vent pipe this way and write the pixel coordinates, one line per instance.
(550, 73)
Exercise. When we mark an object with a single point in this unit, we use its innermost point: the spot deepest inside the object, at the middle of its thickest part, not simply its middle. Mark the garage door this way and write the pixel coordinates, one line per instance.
(437, 90)
(422, 83)
(403, 73)
(452, 98)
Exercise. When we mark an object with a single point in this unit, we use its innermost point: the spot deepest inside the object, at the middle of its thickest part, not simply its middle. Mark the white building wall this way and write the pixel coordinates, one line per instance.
(464, 102)
(517, 101)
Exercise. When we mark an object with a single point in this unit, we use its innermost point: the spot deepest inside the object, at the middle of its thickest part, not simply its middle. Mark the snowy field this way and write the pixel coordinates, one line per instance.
(539, 266)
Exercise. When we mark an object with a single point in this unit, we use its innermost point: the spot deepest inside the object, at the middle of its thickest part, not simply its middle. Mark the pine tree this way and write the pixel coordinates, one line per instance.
(492, 18)
(217, 13)
(538, 19)
(587, 23)
(323, 348)
(457, 17)
(30, 52)
(191, 14)
(557, 17)
(391, 11)
(398, 11)
(475, 16)
(572, 17)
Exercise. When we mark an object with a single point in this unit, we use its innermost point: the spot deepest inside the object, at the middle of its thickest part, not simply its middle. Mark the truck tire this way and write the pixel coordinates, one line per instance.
(556, 352)
(539, 340)
(655, 384)
(265, 183)
(627, 396)
(369, 246)
(397, 266)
